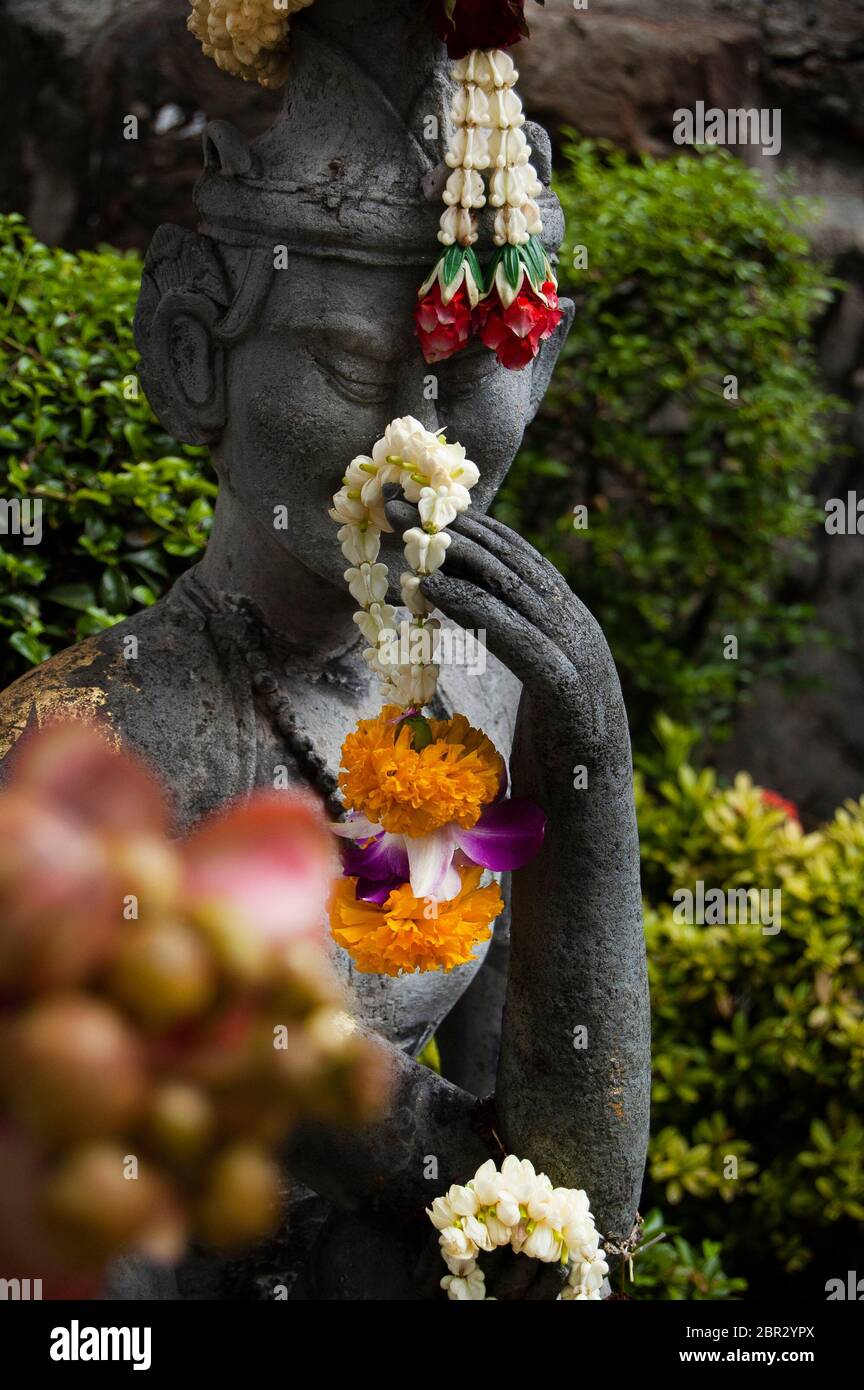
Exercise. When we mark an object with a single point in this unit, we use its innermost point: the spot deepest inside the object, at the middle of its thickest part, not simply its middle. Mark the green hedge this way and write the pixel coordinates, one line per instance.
(125, 508)
(696, 504)
(758, 1038)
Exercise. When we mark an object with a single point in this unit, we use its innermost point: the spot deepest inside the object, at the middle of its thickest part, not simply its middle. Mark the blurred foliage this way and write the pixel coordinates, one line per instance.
(125, 508)
(696, 504)
(758, 1039)
(674, 1270)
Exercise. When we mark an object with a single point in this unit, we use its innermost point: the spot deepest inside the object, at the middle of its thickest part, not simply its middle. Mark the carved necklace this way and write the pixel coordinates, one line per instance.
(243, 635)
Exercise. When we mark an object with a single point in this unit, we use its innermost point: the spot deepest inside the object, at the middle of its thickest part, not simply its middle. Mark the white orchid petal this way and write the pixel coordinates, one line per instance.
(429, 858)
(355, 828)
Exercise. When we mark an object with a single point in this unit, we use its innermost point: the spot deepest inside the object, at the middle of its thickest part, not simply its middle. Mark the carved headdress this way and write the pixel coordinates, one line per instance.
(354, 164)
(377, 127)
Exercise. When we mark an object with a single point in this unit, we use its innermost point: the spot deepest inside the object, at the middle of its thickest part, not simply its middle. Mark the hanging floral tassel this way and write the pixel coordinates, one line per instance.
(516, 306)
(453, 288)
(248, 38)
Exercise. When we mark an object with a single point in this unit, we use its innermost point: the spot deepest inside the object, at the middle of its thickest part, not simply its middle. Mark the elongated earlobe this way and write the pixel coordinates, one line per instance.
(186, 372)
(184, 296)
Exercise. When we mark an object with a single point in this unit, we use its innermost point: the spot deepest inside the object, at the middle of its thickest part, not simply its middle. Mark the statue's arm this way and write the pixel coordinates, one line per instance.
(577, 958)
(574, 1102)
(469, 1039)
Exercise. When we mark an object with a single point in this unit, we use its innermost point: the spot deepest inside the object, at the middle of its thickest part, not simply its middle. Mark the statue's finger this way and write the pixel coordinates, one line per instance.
(515, 552)
(520, 645)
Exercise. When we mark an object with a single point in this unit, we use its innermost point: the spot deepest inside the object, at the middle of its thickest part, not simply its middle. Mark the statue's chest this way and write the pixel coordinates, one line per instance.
(300, 728)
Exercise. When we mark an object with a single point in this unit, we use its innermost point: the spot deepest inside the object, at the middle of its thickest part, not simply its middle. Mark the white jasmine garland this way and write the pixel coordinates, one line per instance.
(488, 119)
(437, 478)
(519, 1207)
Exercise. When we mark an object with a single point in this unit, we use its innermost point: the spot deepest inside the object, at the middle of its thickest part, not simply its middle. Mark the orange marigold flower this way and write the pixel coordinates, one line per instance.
(399, 937)
(413, 792)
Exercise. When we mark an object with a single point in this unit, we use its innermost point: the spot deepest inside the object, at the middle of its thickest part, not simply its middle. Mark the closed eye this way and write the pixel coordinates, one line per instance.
(361, 379)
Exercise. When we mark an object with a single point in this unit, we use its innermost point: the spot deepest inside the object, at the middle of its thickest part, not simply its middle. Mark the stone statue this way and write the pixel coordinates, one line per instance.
(281, 335)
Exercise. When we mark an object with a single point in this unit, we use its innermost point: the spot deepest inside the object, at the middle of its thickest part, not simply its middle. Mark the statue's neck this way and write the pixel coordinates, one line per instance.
(243, 557)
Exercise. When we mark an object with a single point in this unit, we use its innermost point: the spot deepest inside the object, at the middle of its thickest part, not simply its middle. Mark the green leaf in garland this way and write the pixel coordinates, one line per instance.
(473, 265)
(453, 263)
(421, 731)
(491, 269)
(535, 260)
(512, 265)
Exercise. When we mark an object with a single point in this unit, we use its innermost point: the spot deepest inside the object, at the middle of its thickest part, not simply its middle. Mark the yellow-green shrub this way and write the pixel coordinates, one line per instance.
(758, 1039)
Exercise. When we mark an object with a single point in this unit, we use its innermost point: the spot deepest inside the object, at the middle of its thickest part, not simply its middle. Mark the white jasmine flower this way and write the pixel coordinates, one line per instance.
(347, 508)
(487, 1183)
(463, 1200)
(367, 584)
(425, 553)
(478, 1232)
(469, 148)
(439, 506)
(499, 1234)
(415, 685)
(510, 228)
(508, 147)
(360, 544)
(519, 1177)
(507, 1210)
(412, 595)
(543, 1243)
(458, 224)
(533, 220)
(471, 1288)
(470, 105)
(460, 469)
(359, 471)
(441, 1214)
(542, 1206)
(465, 187)
(380, 618)
(588, 1276)
(456, 1244)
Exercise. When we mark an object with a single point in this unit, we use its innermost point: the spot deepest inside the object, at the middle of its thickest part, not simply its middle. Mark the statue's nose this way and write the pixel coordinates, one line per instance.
(417, 392)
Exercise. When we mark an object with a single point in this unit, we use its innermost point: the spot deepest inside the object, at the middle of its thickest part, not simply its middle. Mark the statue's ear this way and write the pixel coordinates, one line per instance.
(183, 297)
(185, 376)
(544, 362)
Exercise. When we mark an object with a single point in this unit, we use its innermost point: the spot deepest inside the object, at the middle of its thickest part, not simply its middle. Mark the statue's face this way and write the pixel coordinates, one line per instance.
(317, 381)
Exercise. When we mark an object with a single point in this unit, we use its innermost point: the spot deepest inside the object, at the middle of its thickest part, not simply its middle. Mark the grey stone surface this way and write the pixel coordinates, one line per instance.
(287, 375)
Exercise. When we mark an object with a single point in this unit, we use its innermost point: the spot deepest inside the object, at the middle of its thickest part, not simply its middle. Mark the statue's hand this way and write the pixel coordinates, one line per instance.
(495, 581)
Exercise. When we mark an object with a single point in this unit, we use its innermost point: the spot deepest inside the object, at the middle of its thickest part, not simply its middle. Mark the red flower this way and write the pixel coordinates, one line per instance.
(479, 24)
(442, 328)
(514, 334)
(775, 802)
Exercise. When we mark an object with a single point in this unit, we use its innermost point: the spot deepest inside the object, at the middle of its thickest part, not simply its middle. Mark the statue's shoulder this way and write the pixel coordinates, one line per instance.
(74, 684)
(157, 683)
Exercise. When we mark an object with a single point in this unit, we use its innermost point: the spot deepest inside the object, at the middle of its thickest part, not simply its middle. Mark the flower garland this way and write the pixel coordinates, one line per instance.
(512, 307)
(519, 1208)
(247, 38)
(427, 798)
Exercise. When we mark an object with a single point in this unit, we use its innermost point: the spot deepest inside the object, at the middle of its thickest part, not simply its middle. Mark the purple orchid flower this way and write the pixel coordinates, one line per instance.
(508, 834)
